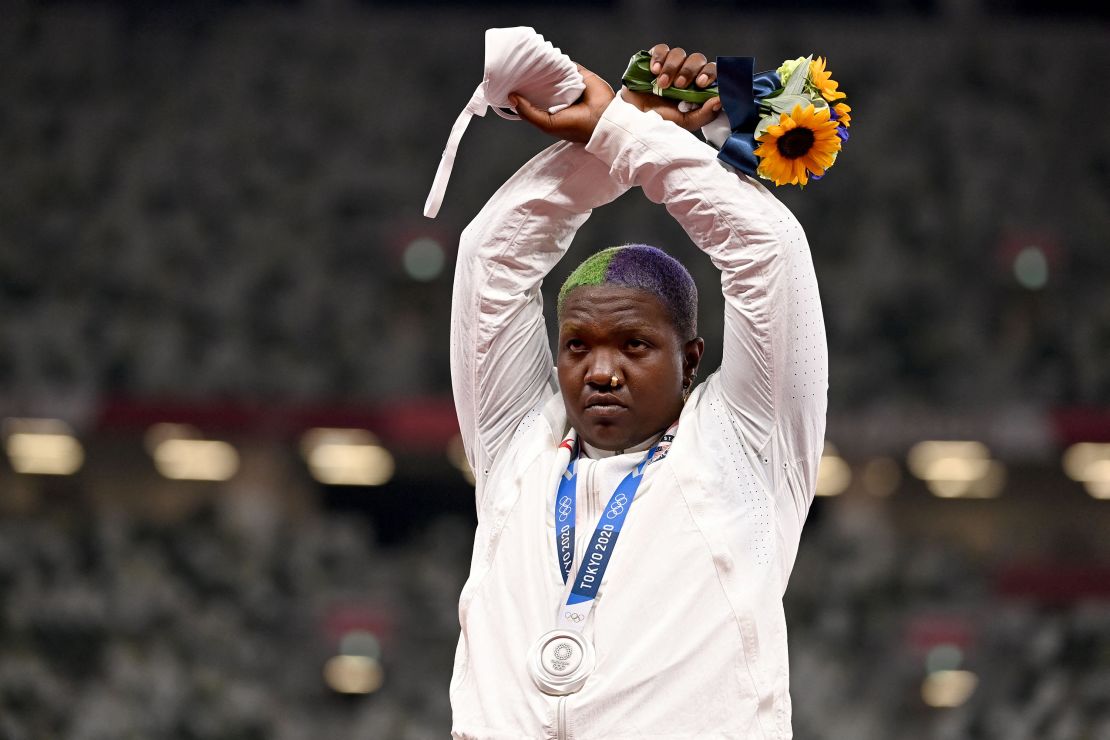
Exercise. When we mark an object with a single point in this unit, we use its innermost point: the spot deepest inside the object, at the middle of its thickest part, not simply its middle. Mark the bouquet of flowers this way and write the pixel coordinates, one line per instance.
(787, 126)
(804, 125)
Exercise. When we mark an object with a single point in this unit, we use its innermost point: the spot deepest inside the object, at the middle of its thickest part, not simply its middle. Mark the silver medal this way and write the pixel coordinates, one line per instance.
(560, 662)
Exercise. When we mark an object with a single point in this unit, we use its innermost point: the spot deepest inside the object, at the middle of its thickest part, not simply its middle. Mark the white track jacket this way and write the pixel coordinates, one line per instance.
(688, 627)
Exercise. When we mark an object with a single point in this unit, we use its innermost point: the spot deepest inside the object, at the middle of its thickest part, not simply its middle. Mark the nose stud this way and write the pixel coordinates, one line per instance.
(614, 381)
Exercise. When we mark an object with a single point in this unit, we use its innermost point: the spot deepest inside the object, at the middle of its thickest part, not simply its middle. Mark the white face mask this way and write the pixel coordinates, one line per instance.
(518, 60)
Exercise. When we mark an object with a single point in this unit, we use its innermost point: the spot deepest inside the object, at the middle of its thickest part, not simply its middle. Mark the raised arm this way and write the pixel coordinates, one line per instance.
(501, 365)
(774, 374)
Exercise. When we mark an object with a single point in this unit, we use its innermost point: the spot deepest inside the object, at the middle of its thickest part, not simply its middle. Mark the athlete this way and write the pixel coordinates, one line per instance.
(635, 531)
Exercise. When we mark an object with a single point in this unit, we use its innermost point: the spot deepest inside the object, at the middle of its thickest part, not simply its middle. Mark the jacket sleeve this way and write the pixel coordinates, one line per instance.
(774, 372)
(501, 364)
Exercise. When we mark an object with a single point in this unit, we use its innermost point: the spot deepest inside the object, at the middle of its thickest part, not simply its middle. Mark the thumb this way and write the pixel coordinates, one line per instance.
(695, 119)
(530, 113)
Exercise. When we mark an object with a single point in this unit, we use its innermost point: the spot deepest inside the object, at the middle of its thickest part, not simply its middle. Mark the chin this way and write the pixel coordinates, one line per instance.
(607, 437)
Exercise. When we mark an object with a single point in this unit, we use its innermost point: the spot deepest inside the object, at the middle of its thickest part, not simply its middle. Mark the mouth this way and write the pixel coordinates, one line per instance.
(603, 404)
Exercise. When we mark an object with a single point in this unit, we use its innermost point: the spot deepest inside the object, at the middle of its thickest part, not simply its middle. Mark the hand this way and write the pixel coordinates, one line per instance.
(576, 122)
(674, 67)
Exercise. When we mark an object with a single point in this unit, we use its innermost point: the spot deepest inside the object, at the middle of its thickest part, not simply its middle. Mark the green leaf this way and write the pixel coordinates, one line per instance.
(764, 123)
(785, 103)
(797, 82)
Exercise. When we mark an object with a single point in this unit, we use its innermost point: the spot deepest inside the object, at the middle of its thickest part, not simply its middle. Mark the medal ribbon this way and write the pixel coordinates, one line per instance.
(598, 553)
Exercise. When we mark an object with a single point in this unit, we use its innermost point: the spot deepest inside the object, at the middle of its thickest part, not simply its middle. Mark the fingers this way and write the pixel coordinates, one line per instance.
(674, 67)
(658, 54)
(691, 66)
(696, 119)
(707, 75)
(672, 63)
(541, 119)
(576, 122)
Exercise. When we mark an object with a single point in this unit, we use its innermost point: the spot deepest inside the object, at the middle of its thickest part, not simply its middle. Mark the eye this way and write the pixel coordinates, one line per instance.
(574, 344)
(636, 344)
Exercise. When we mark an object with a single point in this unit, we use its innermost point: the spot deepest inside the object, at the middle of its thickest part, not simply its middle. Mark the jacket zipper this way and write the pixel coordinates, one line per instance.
(589, 497)
(591, 513)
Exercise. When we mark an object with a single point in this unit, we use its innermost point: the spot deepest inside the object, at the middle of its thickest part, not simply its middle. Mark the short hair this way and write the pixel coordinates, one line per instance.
(644, 268)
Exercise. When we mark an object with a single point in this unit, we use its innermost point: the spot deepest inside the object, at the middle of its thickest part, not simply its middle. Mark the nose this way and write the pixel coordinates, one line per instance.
(601, 369)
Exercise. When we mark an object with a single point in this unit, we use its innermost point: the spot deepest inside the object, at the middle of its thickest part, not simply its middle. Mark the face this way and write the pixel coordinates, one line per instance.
(609, 330)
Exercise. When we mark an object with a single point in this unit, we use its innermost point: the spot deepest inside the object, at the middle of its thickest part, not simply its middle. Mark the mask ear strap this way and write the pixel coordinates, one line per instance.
(509, 114)
(476, 107)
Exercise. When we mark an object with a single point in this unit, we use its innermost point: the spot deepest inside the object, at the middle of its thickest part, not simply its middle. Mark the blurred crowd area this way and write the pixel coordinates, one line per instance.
(226, 203)
(211, 625)
(217, 622)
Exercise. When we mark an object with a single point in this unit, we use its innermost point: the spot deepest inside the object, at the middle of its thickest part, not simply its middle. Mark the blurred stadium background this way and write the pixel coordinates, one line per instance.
(232, 504)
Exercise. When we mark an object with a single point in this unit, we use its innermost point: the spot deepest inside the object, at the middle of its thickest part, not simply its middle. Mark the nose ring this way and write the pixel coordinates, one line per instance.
(614, 381)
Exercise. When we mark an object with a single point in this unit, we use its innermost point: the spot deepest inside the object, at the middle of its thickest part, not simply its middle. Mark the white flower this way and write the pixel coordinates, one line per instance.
(787, 68)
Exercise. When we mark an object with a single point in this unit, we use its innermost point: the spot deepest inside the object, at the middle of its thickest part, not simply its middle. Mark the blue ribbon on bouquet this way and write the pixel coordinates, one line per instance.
(741, 91)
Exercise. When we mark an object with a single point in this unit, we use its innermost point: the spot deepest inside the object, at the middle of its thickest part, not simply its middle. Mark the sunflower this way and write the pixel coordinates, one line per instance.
(843, 114)
(823, 82)
(801, 143)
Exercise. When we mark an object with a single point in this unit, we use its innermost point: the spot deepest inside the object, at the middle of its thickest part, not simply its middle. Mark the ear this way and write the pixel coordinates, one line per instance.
(691, 358)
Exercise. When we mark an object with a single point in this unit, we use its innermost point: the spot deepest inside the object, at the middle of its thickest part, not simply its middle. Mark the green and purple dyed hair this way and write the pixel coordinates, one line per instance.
(644, 268)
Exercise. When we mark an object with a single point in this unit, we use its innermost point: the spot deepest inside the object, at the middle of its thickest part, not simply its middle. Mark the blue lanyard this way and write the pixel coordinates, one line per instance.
(604, 540)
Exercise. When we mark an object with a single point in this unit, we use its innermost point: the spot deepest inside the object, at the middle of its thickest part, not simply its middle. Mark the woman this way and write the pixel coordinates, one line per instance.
(679, 631)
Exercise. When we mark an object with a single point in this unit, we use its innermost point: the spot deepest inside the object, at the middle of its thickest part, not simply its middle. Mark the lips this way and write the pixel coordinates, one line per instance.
(604, 404)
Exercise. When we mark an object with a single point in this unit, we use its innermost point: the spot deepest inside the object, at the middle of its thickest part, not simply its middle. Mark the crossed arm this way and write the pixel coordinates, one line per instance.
(501, 364)
(774, 369)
